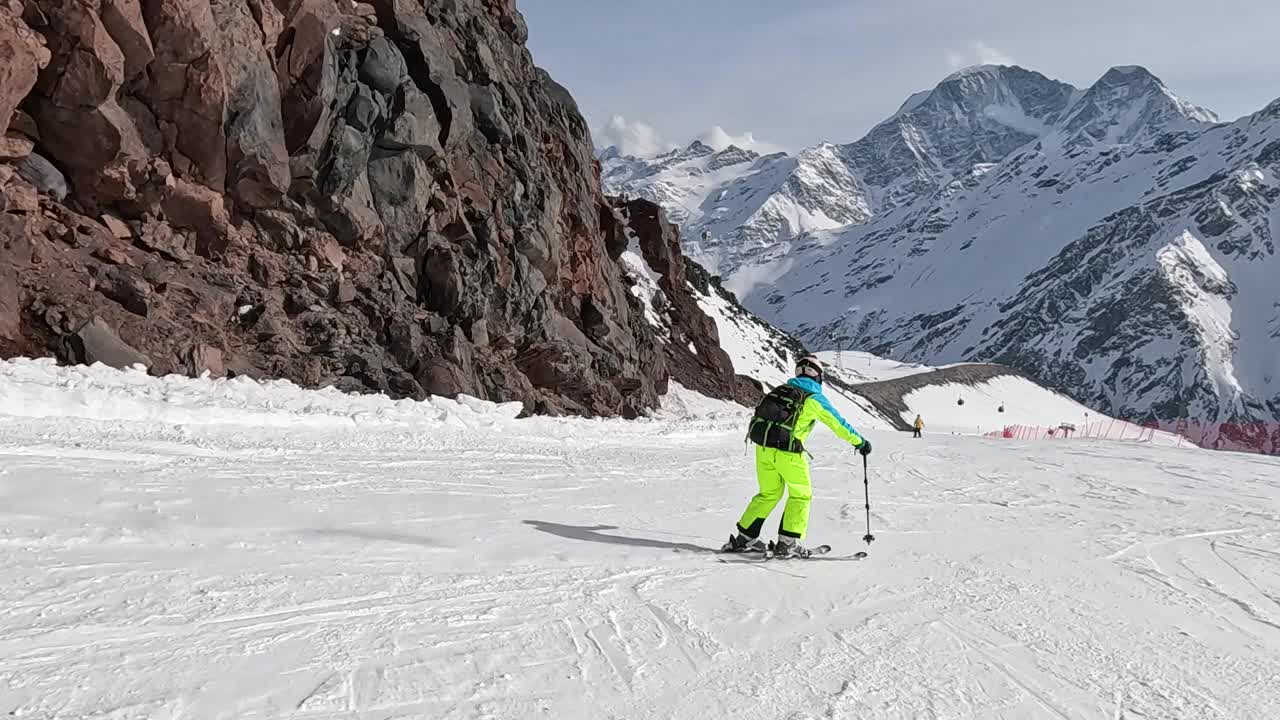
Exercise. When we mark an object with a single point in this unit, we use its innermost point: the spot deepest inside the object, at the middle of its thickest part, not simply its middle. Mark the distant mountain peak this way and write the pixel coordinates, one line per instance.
(1129, 70)
(985, 69)
(1127, 103)
(697, 147)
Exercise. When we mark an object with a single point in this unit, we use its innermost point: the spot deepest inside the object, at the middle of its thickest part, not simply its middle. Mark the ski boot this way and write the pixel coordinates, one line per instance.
(789, 548)
(740, 543)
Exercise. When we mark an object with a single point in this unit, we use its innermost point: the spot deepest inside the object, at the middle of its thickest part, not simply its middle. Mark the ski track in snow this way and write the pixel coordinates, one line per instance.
(563, 569)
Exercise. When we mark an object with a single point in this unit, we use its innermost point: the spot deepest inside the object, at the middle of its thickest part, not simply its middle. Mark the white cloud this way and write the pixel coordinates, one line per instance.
(718, 138)
(644, 140)
(978, 53)
(632, 138)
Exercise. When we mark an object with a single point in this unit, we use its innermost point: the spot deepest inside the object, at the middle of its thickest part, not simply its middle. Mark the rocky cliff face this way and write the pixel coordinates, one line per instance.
(388, 197)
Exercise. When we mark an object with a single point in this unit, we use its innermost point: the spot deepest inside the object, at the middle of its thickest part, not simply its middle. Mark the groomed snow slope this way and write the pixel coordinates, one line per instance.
(418, 567)
(1025, 403)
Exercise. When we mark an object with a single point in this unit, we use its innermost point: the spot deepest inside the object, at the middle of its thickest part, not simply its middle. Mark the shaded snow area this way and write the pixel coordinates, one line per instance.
(447, 561)
(646, 286)
(856, 367)
(760, 351)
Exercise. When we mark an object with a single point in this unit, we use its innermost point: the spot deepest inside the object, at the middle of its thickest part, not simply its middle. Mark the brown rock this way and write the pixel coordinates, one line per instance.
(202, 358)
(83, 124)
(123, 21)
(21, 197)
(113, 255)
(326, 247)
(15, 147)
(126, 287)
(90, 70)
(198, 208)
(22, 55)
(187, 205)
(159, 236)
(117, 227)
(10, 305)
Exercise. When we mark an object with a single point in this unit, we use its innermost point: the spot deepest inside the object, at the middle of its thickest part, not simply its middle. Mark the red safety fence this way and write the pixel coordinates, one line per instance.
(1255, 437)
(1105, 430)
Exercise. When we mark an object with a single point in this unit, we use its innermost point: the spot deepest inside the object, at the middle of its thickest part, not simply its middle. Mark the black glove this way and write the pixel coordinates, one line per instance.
(865, 447)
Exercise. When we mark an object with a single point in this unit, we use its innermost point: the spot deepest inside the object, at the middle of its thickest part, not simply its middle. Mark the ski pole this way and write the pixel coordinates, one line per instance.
(866, 491)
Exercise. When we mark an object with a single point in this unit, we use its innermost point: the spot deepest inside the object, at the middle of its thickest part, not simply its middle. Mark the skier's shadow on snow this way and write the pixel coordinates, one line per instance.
(593, 534)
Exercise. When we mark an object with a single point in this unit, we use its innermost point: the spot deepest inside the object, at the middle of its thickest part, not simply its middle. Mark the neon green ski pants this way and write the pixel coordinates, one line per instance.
(776, 470)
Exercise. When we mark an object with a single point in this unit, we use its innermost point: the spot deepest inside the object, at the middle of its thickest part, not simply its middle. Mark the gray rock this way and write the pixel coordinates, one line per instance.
(363, 111)
(487, 109)
(406, 272)
(383, 67)
(401, 186)
(41, 173)
(97, 342)
(415, 127)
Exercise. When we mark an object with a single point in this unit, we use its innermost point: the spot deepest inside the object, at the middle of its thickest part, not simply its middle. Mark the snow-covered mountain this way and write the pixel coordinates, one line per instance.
(879, 394)
(1116, 241)
(736, 204)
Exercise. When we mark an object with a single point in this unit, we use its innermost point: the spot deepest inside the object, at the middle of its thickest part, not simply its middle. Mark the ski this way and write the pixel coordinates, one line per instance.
(757, 558)
(813, 552)
(821, 552)
(746, 553)
(840, 558)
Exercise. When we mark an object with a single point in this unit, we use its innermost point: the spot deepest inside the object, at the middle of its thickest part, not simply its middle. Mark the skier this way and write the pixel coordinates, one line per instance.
(782, 422)
(919, 425)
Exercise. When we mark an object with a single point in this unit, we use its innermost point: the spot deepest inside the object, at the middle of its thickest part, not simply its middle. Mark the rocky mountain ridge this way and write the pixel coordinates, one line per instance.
(380, 197)
(741, 221)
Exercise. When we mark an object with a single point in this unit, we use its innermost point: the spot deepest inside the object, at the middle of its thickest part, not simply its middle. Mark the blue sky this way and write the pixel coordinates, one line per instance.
(797, 72)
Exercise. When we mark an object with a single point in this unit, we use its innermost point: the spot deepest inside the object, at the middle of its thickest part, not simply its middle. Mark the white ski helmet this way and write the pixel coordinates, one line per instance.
(810, 367)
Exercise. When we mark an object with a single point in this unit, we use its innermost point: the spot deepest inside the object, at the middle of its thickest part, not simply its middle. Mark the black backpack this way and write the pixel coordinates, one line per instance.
(774, 423)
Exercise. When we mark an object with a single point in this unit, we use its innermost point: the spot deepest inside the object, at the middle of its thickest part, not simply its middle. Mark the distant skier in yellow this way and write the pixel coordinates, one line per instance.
(783, 420)
(919, 425)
